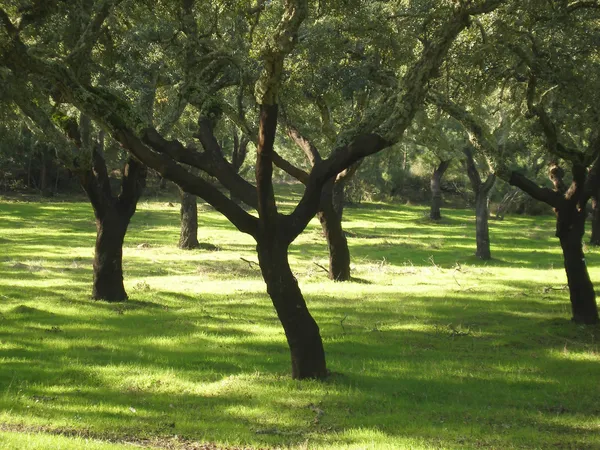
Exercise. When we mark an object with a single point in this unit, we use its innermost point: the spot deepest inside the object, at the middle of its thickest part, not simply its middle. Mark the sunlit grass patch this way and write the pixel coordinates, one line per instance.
(429, 347)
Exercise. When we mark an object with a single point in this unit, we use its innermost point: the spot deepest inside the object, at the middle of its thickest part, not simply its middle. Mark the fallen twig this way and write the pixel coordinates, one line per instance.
(321, 267)
(250, 263)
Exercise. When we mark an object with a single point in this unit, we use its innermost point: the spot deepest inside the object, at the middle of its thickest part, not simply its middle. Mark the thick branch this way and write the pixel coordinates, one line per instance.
(188, 182)
(311, 152)
(472, 171)
(290, 169)
(132, 185)
(117, 116)
(215, 164)
(91, 33)
(542, 194)
(267, 209)
(582, 4)
(277, 48)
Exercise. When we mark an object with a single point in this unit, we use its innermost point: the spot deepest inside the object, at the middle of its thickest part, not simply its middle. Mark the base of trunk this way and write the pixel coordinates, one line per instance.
(114, 294)
(301, 330)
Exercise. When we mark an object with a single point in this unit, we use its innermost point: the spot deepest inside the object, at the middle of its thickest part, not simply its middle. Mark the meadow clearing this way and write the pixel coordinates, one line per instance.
(428, 347)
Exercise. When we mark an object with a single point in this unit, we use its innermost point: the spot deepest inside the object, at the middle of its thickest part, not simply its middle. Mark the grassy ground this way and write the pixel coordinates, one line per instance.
(429, 347)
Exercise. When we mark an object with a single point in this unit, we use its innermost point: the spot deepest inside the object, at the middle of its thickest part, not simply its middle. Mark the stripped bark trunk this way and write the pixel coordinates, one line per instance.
(301, 330)
(112, 213)
(273, 240)
(108, 285)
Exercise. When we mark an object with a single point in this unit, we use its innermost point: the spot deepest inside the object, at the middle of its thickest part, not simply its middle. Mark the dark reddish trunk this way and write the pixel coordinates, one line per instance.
(301, 330)
(570, 230)
(108, 257)
(436, 190)
(595, 238)
(330, 216)
(188, 238)
(273, 239)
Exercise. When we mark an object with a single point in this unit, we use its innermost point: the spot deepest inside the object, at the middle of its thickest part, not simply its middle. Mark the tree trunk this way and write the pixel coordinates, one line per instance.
(301, 330)
(482, 232)
(188, 238)
(482, 200)
(436, 190)
(581, 291)
(108, 258)
(595, 239)
(330, 216)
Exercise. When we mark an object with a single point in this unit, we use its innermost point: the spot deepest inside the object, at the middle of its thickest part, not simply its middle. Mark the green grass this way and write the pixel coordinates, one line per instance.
(430, 348)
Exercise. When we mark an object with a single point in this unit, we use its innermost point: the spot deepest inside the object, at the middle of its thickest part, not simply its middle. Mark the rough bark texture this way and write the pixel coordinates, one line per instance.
(436, 190)
(581, 290)
(112, 219)
(301, 330)
(482, 232)
(188, 238)
(331, 205)
(273, 239)
(595, 238)
(482, 199)
(570, 227)
(330, 217)
(108, 257)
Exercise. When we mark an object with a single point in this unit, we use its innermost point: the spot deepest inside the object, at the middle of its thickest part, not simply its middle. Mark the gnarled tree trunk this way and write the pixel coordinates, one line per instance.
(111, 227)
(301, 330)
(436, 189)
(570, 230)
(112, 214)
(188, 237)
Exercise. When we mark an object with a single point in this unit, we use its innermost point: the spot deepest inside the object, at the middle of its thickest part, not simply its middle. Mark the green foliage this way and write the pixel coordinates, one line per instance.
(430, 348)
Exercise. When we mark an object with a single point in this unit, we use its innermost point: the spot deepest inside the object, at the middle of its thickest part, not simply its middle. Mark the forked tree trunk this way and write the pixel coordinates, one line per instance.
(301, 330)
(436, 190)
(108, 258)
(188, 238)
(581, 291)
(112, 214)
(595, 238)
(330, 216)
(482, 199)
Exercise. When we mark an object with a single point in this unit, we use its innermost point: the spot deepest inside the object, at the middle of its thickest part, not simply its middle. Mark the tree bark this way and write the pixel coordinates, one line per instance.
(113, 215)
(482, 232)
(188, 238)
(301, 330)
(436, 189)
(595, 238)
(108, 258)
(482, 199)
(330, 216)
(570, 230)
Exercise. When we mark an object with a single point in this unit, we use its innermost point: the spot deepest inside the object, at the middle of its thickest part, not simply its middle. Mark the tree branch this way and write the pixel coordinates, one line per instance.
(277, 48)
